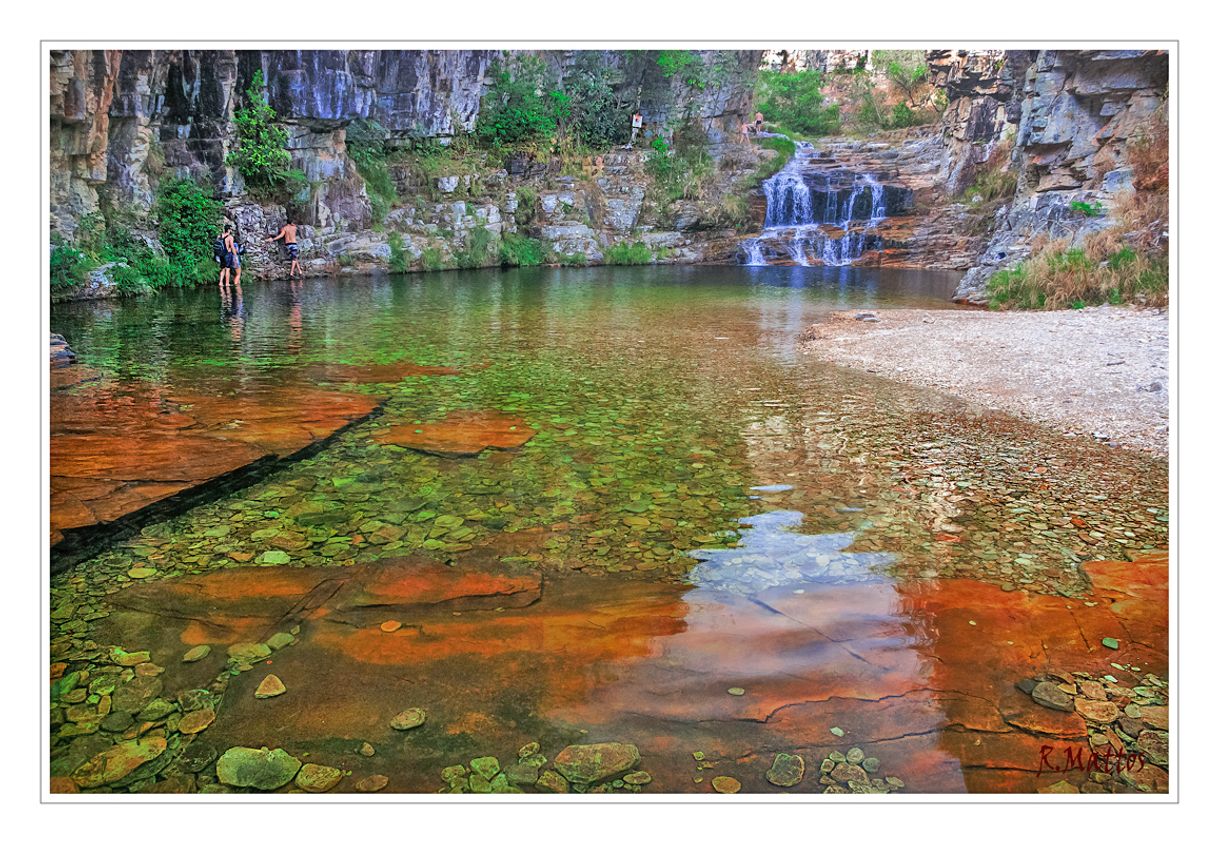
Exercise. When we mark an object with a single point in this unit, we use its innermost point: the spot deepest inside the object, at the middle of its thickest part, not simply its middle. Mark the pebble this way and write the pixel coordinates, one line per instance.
(249, 651)
(736, 692)
(411, 718)
(317, 778)
(280, 640)
(1051, 696)
(786, 771)
(194, 722)
(725, 784)
(371, 784)
(270, 686)
(591, 763)
(391, 626)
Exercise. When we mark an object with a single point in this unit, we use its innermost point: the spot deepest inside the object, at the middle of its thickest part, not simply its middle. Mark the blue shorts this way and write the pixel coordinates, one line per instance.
(232, 260)
(293, 251)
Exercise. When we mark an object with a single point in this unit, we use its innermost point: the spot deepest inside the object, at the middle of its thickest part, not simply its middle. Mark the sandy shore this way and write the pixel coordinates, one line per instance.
(1100, 372)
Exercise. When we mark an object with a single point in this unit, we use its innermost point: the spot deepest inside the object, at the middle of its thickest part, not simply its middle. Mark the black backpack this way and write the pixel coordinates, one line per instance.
(218, 248)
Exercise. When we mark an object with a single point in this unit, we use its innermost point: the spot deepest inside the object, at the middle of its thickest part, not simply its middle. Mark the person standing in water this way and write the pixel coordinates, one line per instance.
(288, 235)
(220, 250)
(232, 258)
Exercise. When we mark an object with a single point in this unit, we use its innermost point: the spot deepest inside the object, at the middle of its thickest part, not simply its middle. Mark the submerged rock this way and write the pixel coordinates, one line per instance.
(198, 653)
(411, 718)
(118, 762)
(786, 771)
(591, 763)
(1051, 696)
(317, 778)
(261, 769)
(270, 686)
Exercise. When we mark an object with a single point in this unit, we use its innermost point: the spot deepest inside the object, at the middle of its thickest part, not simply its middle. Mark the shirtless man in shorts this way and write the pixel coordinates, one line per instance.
(288, 235)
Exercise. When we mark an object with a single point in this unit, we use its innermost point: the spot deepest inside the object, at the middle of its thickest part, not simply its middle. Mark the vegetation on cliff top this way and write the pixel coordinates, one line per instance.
(261, 155)
(794, 103)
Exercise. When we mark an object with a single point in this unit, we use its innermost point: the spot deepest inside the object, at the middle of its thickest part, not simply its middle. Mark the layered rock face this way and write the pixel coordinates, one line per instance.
(1078, 112)
(980, 86)
(120, 121)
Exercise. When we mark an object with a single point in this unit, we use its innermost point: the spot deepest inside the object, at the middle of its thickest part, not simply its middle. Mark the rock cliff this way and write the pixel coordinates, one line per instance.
(1057, 125)
(1078, 111)
(122, 120)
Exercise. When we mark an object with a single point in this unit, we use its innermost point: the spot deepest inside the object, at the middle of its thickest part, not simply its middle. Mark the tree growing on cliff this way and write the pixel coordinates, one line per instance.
(793, 101)
(599, 117)
(522, 104)
(907, 71)
(261, 155)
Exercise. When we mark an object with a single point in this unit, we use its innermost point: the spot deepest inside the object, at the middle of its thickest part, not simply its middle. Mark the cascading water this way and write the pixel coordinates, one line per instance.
(801, 199)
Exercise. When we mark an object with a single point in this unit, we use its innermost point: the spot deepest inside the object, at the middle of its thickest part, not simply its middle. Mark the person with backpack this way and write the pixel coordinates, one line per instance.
(220, 252)
(232, 255)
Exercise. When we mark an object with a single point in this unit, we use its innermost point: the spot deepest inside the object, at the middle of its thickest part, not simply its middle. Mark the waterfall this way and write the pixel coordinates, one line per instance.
(802, 199)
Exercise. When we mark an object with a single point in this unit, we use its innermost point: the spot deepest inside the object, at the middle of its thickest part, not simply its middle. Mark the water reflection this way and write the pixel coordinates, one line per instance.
(771, 553)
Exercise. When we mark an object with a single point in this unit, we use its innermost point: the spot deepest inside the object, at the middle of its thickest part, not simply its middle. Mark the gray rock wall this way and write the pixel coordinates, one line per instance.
(120, 121)
(1078, 110)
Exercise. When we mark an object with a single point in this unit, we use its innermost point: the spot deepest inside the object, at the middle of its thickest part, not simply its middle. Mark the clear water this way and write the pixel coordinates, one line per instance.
(709, 509)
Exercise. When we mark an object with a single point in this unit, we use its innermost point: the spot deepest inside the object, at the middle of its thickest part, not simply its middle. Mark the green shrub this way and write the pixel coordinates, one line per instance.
(684, 171)
(599, 117)
(69, 268)
(188, 221)
(629, 254)
(261, 155)
(906, 70)
(518, 250)
(521, 104)
(477, 251)
(526, 205)
(399, 258)
(794, 101)
(993, 185)
(366, 147)
(1122, 258)
(573, 259)
(686, 64)
(1087, 209)
(432, 259)
(1060, 275)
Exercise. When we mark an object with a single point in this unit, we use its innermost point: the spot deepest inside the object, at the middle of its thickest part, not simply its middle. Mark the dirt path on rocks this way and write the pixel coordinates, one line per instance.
(1099, 372)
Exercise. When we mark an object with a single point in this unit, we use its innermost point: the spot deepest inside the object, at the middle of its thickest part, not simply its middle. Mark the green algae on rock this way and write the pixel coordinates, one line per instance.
(786, 771)
(590, 763)
(261, 769)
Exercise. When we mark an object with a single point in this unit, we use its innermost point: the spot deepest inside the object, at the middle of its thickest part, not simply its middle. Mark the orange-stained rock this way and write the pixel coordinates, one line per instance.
(405, 583)
(116, 449)
(920, 674)
(462, 433)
